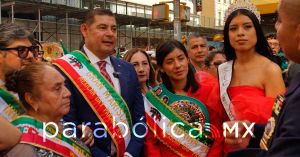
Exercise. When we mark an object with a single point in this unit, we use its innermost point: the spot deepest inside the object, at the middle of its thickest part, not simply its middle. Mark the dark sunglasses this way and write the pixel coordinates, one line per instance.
(23, 50)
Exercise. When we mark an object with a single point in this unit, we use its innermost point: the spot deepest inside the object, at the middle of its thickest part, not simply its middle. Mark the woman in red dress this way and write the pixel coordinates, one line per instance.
(250, 80)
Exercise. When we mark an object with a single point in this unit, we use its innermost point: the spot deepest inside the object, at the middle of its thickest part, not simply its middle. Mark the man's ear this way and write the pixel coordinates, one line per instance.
(84, 29)
(30, 100)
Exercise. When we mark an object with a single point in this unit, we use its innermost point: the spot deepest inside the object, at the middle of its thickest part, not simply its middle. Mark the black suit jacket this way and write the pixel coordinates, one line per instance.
(286, 139)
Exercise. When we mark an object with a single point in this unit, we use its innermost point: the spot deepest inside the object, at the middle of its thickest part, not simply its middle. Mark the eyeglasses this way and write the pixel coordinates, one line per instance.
(217, 63)
(23, 51)
(273, 44)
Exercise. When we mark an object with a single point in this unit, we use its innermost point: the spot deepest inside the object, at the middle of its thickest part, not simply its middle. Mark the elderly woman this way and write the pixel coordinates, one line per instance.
(42, 91)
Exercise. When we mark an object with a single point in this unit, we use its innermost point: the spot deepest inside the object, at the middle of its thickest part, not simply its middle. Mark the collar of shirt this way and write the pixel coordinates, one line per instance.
(93, 58)
(109, 67)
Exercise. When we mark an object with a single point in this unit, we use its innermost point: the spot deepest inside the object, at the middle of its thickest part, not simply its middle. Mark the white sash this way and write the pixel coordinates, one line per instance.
(225, 75)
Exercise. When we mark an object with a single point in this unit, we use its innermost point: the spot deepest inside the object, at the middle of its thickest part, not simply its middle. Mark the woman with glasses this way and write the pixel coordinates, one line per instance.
(18, 41)
(183, 113)
(16, 50)
(24, 51)
(213, 60)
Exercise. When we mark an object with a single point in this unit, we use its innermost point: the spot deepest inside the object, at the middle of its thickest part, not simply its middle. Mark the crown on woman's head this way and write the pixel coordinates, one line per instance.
(242, 4)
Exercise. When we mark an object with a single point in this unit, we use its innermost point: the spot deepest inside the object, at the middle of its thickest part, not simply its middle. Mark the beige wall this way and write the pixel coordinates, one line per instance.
(208, 12)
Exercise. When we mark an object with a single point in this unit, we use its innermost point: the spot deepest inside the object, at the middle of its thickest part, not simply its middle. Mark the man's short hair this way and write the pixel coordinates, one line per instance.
(89, 18)
(271, 36)
(195, 35)
(10, 32)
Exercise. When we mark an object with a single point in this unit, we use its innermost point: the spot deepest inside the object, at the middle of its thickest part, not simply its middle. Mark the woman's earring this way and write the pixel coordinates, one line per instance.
(36, 109)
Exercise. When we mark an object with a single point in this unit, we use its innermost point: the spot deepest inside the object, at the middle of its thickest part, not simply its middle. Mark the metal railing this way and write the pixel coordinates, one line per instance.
(138, 10)
(127, 8)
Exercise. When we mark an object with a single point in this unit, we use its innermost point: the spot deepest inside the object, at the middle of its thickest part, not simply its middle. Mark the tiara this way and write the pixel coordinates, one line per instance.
(242, 4)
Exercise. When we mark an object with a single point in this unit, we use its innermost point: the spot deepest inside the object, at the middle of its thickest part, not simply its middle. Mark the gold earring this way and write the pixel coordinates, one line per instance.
(36, 109)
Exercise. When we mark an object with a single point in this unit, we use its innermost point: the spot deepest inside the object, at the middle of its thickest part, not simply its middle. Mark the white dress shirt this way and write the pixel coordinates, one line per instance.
(110, 70)
(109, 67)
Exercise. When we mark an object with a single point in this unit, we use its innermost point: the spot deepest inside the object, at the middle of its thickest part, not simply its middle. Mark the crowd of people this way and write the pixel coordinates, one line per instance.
(90, 103)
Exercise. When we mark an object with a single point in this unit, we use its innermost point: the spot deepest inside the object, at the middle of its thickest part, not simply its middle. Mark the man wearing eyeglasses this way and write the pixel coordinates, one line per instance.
(276, 50)
(16, 44)
(213, 60)
(16, 50)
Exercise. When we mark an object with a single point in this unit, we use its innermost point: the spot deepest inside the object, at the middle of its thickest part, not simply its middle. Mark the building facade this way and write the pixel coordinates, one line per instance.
(55, 20)
(214, 11)
(220, 8)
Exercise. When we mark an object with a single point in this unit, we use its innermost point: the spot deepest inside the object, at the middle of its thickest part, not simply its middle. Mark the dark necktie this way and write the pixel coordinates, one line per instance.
(102, 66)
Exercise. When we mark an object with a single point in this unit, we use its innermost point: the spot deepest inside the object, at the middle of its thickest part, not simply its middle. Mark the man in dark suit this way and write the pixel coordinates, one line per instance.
(283, 138)
(100, 34)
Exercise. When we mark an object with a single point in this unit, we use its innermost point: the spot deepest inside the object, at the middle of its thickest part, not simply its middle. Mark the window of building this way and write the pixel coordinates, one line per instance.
(219, 18)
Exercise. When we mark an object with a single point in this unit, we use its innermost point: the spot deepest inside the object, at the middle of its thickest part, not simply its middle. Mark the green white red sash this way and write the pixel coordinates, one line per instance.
(161, 117)
(10, 108)
(225, 74)
(106, 103)
(32, 133)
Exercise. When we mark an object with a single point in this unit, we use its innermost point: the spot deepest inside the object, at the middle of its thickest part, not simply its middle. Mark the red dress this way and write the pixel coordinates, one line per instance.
(208, 94)
(250, 103)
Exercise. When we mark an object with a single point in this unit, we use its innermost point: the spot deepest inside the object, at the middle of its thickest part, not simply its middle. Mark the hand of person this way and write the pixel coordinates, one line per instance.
(87, 135)
(236, 136)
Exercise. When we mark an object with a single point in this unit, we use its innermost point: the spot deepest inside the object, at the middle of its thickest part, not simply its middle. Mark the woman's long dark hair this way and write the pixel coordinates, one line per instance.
(161, 52)
(262, 46)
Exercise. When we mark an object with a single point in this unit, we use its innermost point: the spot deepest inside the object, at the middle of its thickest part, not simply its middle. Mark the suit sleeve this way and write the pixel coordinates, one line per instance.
(138, 132)
(258, 133)
(71, 116)
(287, 136)
(286, 140)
